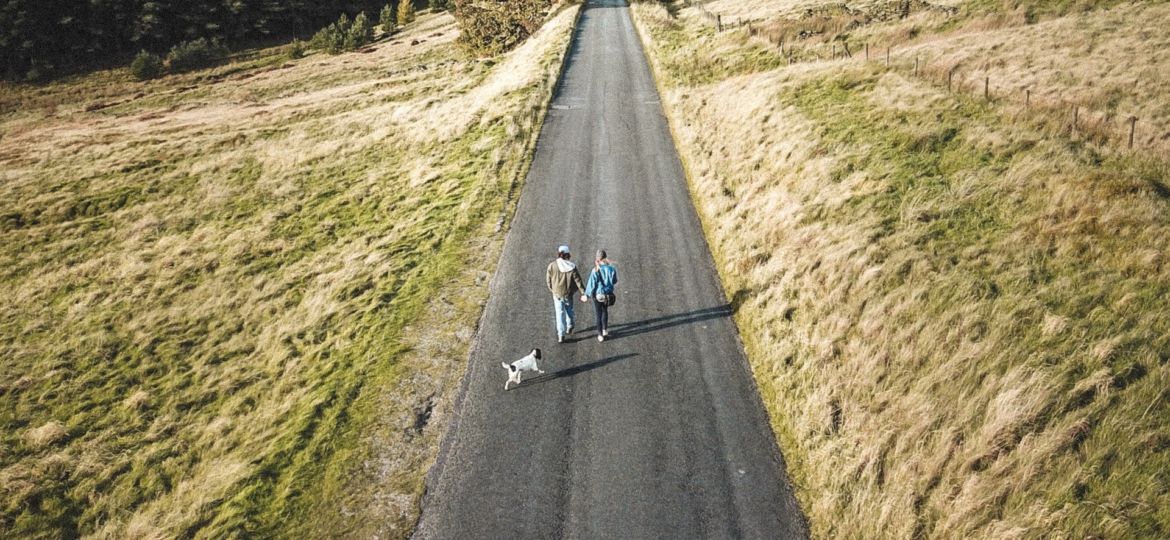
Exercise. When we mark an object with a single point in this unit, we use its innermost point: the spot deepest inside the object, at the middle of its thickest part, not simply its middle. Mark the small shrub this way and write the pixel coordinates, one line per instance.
(441, 5)
(360, 33)
(296, 49)
(387, 20)
(196, 54)
(34, 74)
(405, 12)
(494, 27)
(331, 39)
(146, 66)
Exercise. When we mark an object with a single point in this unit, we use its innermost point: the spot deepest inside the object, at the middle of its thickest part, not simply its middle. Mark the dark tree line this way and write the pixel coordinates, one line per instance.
(45, 37)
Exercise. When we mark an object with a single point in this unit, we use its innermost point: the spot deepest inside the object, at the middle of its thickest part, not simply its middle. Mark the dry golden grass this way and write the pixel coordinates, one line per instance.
(49, 433)
(238, 300)
(959, 320)
(1108, 63)
(765, 10)
(1077, 61)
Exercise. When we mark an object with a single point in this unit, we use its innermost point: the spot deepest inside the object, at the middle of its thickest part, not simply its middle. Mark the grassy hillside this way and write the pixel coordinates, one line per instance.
(957, 310)
(237, 301)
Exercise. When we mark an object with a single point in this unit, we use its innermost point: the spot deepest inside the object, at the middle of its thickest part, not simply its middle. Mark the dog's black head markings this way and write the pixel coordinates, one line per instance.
(536, 353)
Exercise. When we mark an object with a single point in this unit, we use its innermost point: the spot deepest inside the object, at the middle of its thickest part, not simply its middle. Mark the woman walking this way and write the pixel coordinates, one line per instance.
(600, 289)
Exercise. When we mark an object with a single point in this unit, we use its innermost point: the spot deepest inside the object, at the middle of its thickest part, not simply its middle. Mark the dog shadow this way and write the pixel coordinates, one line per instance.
(575, 370)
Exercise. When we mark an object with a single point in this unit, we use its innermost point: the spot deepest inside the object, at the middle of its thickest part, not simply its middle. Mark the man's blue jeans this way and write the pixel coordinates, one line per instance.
(564, 311)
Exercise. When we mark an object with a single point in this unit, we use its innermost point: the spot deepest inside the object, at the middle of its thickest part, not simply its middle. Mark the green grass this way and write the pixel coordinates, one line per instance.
(960, 326)
(976, 251)
(216, 307)
(708, 56)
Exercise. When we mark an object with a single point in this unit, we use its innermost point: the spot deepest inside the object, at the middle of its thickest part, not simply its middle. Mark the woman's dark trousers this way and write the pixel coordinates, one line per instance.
(602, 312)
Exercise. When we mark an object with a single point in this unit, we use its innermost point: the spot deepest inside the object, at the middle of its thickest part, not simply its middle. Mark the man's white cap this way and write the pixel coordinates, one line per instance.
(563, 249)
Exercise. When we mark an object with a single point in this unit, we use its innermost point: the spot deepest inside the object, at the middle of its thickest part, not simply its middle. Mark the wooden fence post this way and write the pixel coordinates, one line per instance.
(1027, 97)
(987, 88)
(950, 77)
(916, 65)
(718, 23)
(887, 57)
(867, 52)
(1132, 124)
(1076, 116)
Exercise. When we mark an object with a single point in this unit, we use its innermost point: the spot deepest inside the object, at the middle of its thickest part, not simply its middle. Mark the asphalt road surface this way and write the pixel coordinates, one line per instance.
(659, 431)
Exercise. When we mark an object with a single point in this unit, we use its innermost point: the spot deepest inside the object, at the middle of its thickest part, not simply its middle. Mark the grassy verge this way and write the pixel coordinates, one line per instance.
(957, 317)
(239, 299)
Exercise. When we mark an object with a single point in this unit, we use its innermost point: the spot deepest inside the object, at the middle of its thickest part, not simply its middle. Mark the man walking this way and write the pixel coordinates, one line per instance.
(563, 282)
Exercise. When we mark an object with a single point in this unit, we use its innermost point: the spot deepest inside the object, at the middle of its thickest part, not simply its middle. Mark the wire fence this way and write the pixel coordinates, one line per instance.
(1101, 127)
(717, 20)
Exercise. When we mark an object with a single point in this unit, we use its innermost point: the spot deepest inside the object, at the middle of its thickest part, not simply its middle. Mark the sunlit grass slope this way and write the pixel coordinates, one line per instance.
(958, 315)
(237, 302)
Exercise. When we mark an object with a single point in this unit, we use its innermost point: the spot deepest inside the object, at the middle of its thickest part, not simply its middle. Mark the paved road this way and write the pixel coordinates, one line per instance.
(659, 431)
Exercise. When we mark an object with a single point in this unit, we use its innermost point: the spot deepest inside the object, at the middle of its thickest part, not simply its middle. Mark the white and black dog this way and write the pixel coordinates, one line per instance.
(528, 363)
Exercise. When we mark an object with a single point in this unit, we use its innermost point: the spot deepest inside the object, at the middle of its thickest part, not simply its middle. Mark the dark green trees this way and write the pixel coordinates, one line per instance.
(42, 37)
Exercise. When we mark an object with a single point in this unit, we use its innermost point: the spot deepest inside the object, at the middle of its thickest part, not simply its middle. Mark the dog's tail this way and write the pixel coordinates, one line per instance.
(508, 367)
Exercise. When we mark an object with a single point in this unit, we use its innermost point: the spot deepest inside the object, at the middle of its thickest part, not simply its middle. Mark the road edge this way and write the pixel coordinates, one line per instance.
(778, 453)
(506, 218)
